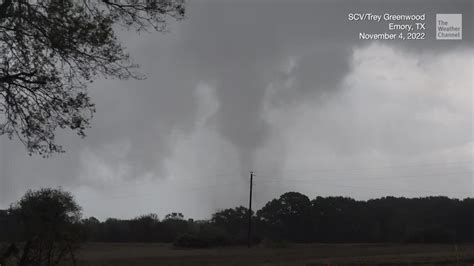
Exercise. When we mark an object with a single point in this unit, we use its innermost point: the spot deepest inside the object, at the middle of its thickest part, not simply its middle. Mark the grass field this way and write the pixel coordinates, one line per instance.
(298, 254)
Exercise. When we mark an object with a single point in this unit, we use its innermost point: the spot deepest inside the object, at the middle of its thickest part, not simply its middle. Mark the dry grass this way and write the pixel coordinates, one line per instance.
(99, 254)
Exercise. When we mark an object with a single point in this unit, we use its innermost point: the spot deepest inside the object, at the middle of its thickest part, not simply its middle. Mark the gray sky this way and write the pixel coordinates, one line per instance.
(284, 88)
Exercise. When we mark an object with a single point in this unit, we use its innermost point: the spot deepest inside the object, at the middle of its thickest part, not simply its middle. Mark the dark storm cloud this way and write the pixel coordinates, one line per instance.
(236, 47)
(238, 44)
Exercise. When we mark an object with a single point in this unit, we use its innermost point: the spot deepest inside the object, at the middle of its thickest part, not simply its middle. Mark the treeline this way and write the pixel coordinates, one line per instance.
(293, 217)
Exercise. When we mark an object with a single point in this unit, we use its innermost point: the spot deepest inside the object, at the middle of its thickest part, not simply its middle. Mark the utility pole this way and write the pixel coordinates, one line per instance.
(250, 212)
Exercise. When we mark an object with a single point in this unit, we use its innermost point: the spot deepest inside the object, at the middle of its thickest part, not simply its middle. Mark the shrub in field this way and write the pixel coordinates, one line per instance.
(269, 243)
(431, 235)
(207, 236)
(191, 241)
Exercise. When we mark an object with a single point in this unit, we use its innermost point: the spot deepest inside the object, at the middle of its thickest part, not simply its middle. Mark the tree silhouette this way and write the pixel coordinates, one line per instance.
(234, 221)
(49, 227)
(50, 50)
(174, 216)
(291, 217)
(144, 227)
(288, 217)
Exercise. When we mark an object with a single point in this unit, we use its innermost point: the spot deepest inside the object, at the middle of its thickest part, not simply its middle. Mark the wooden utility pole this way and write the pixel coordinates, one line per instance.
(249, 237)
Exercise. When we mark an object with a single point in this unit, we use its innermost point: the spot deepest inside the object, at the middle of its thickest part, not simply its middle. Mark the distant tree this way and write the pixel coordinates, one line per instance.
(50, 50)
(340, 219)
(91, 228)
(172, 226)
(291, 218)
(174, 216)
(115, 230)
(207, 235)
(234, 221)
(288, 217)
(144, 228)
(464, 220)
(49, 221)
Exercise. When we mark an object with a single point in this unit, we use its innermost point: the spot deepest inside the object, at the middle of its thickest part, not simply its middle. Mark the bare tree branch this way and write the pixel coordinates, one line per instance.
(51, 49)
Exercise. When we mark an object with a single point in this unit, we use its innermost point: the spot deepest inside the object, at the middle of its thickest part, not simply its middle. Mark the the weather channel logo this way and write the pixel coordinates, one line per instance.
(448, 26)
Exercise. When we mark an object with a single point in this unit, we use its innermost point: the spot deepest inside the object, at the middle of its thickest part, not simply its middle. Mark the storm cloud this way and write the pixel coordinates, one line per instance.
(282, 88)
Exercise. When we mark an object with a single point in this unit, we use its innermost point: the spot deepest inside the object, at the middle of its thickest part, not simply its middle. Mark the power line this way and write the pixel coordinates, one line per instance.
(377, 177)
(400, 166)
(267, 182)
(229, 175)
(372, 188)
(231, 179)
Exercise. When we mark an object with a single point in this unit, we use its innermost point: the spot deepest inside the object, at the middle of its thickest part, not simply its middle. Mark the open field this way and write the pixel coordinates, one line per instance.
(105, 254)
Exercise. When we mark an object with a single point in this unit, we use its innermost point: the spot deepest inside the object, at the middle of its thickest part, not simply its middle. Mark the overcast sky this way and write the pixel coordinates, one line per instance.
(283, 88)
